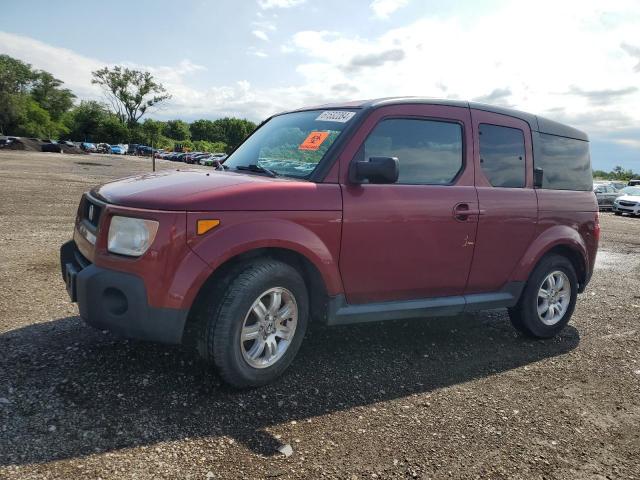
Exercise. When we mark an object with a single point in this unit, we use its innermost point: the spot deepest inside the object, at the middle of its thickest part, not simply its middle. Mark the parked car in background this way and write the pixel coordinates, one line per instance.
(213, 160)
(628, 201)
(88, 147)
(386, 209)
(617, 184)
(634, 182)
(132, 148)
(51, 146)
(144, 150)
(103, 148)
(605, 194)
(118, 150)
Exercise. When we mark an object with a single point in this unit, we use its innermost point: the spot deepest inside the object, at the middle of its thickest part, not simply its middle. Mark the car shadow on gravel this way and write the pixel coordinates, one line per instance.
(68, 391)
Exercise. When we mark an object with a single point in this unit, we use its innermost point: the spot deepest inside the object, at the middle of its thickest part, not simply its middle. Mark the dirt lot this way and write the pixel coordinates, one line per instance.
(461, 398)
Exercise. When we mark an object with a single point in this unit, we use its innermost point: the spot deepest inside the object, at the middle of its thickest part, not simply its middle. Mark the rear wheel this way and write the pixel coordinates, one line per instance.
(256, 325)
(548, 300)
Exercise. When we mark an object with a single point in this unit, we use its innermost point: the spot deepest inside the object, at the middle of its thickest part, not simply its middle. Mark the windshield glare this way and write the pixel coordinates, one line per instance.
(292, 144)
(635, 191)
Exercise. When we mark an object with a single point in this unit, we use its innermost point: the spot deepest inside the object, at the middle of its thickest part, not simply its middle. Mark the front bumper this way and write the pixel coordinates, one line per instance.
(117, 301)
(635, 209)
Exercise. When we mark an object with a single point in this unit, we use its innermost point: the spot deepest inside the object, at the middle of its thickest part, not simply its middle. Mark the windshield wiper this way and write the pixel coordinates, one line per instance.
(257, 168)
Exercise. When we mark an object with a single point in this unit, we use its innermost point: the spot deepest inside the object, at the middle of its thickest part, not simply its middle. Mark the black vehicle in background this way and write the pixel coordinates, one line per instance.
(131, 150)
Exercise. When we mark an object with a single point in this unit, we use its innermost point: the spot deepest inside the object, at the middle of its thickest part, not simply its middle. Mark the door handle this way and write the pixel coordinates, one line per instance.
(462, 211)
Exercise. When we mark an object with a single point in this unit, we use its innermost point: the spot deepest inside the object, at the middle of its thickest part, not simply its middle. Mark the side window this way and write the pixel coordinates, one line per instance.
(565, 163)
(429, 151)
(502, 155)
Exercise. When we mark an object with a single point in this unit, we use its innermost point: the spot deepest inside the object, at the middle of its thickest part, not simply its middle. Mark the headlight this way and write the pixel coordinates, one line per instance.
(131, 236)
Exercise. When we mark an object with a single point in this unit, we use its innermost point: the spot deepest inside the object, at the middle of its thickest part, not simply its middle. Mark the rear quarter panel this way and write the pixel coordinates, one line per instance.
(565, 217)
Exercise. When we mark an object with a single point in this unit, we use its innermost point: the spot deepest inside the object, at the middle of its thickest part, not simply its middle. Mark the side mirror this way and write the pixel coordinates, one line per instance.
(537, 177)
(375, 170)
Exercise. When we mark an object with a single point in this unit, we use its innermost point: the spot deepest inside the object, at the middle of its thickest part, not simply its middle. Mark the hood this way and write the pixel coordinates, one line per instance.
(200, 190)
(629, 198)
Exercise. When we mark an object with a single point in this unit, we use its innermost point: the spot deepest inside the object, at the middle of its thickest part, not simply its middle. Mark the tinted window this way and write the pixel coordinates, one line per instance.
(502, 155)
(565, 163)
(429, 151)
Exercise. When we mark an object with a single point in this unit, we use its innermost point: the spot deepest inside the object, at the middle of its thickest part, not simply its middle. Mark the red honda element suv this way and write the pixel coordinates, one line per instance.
(353, 212)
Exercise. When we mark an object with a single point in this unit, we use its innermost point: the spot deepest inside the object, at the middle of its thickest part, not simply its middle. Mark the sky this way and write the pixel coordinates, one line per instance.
(573, 61)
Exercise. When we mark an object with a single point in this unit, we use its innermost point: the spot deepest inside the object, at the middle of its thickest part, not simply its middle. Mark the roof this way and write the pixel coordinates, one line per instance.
(536, 123)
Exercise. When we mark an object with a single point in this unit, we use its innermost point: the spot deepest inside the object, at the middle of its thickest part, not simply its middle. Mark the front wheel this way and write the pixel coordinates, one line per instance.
(255, 328)
(548, 300)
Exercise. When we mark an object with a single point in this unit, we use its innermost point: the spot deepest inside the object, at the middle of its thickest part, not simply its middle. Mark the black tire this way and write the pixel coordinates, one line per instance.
(524, 316)
(226, 313)
(617, 213)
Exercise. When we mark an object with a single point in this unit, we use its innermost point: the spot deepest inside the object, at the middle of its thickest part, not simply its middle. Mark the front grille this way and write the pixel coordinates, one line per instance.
(625, 203)
(91, 212)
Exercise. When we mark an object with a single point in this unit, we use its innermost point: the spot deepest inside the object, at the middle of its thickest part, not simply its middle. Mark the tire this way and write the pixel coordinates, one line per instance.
(617, 213)
(231, 314)
(525, 317)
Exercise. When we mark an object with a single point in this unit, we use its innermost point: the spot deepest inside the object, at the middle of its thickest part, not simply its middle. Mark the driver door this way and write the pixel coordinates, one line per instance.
(413, 239)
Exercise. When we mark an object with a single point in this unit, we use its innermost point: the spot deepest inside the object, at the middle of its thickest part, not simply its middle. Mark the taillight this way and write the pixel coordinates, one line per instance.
(596, 230)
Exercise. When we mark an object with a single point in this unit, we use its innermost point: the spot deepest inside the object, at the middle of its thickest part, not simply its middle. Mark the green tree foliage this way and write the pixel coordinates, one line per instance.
(618, 173)
(205, 146)
(130, 92)
(209, 130)
(47, 91)
(235, 131)
(31, 102)
(178, 130)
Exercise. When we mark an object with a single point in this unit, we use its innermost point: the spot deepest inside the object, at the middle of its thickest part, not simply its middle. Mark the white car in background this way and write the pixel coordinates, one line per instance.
(628, 201)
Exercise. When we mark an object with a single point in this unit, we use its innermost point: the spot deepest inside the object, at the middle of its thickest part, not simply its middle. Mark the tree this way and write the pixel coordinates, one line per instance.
(177, 129)
(32, 103)
(152, 131)
(47, 92)
(235, 130)
(130, 92)
(15, 79)
(207, 130)
(86, 120)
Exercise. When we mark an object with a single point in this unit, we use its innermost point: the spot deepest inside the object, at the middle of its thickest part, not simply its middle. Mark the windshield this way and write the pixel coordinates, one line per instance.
(292, 144)
(630, 191)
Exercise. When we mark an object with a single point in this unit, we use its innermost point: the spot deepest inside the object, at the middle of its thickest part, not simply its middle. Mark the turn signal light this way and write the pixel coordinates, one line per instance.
(203, 226)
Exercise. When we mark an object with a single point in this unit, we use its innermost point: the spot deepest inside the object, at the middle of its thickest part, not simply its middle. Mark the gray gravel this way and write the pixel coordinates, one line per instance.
(463, 398)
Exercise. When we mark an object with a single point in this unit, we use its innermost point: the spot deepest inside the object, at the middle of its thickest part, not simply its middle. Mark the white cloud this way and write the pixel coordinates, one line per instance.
(261, 35)
(383, 8)
(581, 69)
(576, 70)
(257, 52)
(268, 4)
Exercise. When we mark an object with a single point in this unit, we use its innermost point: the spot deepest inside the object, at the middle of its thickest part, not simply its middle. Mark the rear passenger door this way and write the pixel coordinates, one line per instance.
(503, 158)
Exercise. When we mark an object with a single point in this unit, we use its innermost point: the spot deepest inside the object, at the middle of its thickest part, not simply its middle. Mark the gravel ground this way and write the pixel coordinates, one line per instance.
(461, 398)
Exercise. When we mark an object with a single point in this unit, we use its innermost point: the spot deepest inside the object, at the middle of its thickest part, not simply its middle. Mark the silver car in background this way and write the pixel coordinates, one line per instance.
(628, 201)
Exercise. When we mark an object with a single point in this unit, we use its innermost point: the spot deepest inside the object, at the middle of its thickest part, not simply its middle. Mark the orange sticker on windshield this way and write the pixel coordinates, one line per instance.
(313, 141)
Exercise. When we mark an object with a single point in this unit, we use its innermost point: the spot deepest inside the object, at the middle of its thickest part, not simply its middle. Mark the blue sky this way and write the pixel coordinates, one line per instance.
(573, 61)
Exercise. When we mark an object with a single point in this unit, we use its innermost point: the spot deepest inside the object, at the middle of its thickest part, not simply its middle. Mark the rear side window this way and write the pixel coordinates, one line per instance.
(502, 155)
(565, 163)
(429, 151)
